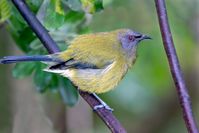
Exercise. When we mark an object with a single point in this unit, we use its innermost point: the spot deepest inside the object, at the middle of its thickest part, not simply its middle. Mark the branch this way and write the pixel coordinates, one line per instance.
(175, 67)
(109, 119)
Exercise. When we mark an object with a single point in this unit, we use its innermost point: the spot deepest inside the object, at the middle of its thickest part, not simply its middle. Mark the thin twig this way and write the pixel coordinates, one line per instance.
(110, 120)
(175, 67)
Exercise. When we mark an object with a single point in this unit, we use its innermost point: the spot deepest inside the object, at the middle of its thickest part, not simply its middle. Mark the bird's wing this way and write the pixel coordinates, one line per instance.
(64, 68)
(75, 64)
(87, 53)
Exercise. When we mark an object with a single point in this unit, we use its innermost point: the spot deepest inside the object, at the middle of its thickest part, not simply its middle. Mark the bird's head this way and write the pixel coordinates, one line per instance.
(129, 39)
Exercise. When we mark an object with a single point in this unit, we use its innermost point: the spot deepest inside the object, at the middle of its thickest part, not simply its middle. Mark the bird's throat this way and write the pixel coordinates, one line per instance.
(131, 56)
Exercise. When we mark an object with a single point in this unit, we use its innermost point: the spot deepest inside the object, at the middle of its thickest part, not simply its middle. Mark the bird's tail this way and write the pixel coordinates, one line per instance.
(43, 58)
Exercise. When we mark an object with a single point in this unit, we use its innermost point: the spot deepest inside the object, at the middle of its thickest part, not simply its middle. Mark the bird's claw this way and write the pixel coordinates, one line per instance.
(102, 106)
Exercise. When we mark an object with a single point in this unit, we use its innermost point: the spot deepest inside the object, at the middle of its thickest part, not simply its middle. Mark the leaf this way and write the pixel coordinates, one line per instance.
(53, 82)
(52, 19)
(68, 92)
(44, 80)
(36, 44)
(15, 14)
(26, 36)
(73, 16)
(16, 23)
(98, 5)
(23, 69)
(92, 6)
(34, 4)
(74, 5)
(58, 7)
(5, 10)
(21, 33)
(41, 78)
(41, 13)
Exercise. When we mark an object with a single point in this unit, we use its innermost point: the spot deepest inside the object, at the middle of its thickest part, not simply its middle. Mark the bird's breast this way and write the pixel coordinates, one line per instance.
(99, 80)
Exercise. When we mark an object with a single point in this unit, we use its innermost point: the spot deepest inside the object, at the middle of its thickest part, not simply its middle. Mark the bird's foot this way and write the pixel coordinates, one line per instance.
(102, 106)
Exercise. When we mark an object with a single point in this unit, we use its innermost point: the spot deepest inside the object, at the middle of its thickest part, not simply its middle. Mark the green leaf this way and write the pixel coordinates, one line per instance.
(52, 19)
(74, 5)
(53, 82)
(34, 4)
(36, 44)
(44, 80)
(41, 78)
(73, 16)
(68, 92)
(5, 10)
(21, 33)
(92, 6)
(58, 7)
(15, 14)
(25, 37)
(98, 5)
(16, 23)
(23, 69)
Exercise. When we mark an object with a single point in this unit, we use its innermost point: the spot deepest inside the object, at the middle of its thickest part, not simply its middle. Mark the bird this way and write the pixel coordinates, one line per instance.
(94, 62)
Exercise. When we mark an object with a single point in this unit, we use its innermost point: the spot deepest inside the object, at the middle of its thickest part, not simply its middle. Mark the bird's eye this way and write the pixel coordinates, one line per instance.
(131, 37)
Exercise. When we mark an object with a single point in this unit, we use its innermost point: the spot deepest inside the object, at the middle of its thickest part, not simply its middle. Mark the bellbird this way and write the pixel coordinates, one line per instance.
(95, 63)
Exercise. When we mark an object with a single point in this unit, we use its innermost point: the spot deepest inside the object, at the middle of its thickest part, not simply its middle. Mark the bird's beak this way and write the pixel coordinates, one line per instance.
(145, 37)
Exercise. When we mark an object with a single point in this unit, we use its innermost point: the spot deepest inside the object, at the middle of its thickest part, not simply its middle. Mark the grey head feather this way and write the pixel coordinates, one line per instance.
(130, 39)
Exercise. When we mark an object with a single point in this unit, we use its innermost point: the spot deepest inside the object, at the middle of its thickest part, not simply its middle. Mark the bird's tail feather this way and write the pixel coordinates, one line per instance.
(43, 58)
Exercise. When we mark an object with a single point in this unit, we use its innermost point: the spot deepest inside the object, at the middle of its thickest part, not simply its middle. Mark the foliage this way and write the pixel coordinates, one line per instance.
(91, 6)
(63, 19)
(4, 10)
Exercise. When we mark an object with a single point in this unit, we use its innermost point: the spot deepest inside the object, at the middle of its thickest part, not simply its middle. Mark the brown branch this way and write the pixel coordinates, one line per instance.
(110, 120)
(175, 67)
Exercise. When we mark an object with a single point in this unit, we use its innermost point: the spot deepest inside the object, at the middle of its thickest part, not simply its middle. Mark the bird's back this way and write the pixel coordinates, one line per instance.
(94, 48)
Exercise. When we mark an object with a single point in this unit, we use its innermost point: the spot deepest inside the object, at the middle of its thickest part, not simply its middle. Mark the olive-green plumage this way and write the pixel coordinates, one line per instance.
(97, 62)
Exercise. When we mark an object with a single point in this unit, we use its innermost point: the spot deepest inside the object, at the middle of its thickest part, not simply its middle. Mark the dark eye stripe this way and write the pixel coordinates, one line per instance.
(139, 36)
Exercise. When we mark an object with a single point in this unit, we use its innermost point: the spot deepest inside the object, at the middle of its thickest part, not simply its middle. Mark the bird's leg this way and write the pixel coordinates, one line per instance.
(102, 105)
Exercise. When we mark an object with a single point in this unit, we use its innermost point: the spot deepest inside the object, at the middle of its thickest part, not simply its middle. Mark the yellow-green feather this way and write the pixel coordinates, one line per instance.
(104, 51)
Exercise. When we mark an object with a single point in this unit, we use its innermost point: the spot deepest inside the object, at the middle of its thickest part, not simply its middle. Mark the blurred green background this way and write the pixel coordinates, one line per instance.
(144, 102)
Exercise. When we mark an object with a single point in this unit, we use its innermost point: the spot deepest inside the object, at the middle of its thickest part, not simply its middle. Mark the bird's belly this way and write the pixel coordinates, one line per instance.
(97, 80)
